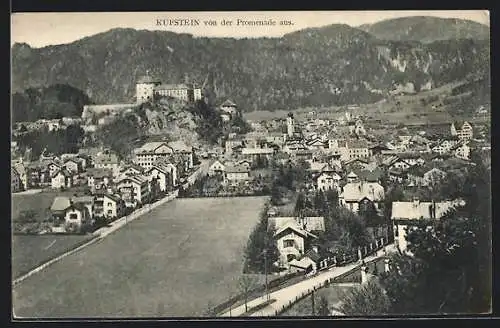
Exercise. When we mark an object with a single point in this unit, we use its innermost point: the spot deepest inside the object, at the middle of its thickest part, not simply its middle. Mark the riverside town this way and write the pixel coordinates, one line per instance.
(333, 171)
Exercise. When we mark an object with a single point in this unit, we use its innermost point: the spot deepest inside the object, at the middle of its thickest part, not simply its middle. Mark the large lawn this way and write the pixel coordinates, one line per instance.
(39, 202)
(29, 252)
(175, 261)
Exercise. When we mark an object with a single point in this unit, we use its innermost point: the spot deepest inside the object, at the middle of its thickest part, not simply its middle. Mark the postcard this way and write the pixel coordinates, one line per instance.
(298, 164)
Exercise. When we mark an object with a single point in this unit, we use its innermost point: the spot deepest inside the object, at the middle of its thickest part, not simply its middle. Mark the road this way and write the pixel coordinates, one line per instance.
(290, 293)
(28, 192)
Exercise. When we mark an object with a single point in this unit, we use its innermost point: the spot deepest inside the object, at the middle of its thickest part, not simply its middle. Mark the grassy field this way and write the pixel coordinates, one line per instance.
(177, 261)
(39, 202)
(29, 252)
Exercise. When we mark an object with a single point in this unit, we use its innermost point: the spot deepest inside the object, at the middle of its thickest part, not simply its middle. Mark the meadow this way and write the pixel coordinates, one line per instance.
(31, 251)
(178, 260)
(38, 202)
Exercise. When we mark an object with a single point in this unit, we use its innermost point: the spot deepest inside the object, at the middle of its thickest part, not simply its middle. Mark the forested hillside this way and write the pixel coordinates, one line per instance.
(332, 65)
(427, 29)
(52, 102)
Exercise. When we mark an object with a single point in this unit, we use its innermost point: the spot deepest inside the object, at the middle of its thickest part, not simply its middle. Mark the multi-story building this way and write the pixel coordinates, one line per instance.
(406, 215)
(148, 87)
(327, 181)
(109, 206)
(134, 189)
(188, 93)
(358, 149)
(149, 153)
(22, 174)
(462, 151)
(165, 173)
(145, 88)
(15, 180)
(291, 241)
(463, 130)
(107, 160)
(236, 174)
(99, 179)
(357, 194)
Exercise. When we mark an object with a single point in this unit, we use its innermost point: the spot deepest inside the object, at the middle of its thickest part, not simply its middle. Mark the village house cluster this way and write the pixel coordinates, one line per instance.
(345, 156)
(112, 187)
(352, 155)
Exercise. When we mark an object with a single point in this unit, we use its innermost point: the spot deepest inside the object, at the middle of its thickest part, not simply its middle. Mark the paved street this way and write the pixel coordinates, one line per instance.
(285, 295)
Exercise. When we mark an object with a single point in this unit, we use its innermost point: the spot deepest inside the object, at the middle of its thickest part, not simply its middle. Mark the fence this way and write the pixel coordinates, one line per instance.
(279, 282)
(98, 235)
(226, 305)
(220, 195)
(371, 249)
(345, 258)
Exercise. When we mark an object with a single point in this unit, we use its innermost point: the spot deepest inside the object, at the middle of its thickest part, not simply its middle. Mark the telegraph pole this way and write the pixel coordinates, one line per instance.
(313, 305)
(265, 268)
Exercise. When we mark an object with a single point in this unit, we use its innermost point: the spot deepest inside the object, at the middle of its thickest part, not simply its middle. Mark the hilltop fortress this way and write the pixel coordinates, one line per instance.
(147, 89)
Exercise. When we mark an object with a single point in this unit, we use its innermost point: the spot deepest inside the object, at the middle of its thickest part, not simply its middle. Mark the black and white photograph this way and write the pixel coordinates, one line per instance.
(229, 165)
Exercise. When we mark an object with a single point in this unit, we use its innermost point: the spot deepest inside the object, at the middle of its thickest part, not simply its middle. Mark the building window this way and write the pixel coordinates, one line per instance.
(288, 243)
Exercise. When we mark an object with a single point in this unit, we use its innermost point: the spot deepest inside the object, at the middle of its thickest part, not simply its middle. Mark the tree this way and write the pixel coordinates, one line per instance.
(324, 307)
(369, 213)
(276, 194)
(261, 248)
(22, 128)
(453, 255)
(299, 204)
(319, 202)
(246, 284)
(367, 299)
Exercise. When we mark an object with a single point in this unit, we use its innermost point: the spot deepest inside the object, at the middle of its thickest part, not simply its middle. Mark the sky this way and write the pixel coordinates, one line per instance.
(43, 29)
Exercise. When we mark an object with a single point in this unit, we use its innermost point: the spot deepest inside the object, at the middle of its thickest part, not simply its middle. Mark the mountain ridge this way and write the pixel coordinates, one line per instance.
(426, 29)
(315, 66)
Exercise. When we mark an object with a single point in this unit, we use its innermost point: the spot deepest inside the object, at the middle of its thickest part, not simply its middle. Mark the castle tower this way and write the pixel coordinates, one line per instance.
(145, 88)
(290, 125)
